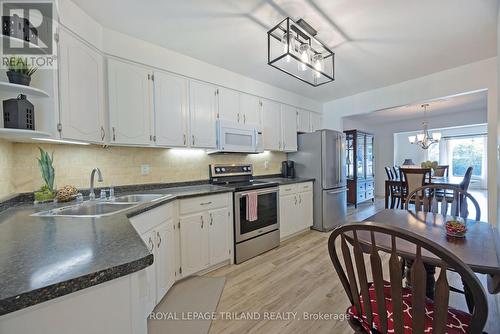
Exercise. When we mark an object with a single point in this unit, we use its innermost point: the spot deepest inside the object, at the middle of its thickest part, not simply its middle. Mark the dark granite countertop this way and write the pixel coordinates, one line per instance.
(42, 258)
(283, 181)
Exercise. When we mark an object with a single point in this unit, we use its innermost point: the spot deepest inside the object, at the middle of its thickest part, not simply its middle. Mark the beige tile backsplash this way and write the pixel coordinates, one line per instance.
(119, 165)
(6, 168)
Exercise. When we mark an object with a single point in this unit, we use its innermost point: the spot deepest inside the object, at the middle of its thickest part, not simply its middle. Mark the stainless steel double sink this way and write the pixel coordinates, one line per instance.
(101, 208)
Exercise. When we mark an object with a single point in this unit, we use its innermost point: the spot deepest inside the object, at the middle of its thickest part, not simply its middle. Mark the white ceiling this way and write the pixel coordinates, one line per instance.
(475, 102)
(377, 43)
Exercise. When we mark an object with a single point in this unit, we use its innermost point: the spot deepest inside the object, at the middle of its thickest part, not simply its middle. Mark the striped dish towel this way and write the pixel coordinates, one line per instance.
(251, 214)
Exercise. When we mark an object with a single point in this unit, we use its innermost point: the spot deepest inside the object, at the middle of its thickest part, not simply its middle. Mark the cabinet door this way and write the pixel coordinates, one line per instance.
(202, 114)
(149, 301)
(171, 110)
(82, 91)
(271, 125)
(288, 128)
(288, 216)
(305, 209)
(303, 122)
(164, 258)
(194, 243)
(218, 235)
(129, 103)
(315, 121)
(250, 107)
(229, 106)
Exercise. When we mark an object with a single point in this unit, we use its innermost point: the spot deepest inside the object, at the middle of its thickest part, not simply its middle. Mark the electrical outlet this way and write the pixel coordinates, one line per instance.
(145, 169)
(266, 164)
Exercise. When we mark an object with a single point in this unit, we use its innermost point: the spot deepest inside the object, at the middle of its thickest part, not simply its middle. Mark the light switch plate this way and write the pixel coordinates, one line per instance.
(145, 169)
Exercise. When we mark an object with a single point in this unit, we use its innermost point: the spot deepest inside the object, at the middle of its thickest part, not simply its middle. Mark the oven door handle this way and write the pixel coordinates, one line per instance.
(258, 191)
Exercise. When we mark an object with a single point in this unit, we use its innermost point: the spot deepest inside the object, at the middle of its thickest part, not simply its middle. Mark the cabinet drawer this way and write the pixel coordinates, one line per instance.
(203, 203)
(361, 196)
(288, 189)
(369, 194)
(149, 219)
(307, 186)
(369, 185)
(361, 187)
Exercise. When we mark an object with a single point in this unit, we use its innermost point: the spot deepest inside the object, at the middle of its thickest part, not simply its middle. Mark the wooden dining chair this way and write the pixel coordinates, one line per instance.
(430, 198)
(413, 178)
(388, 171)
(381, 305)
(464, 185)
(441, 170)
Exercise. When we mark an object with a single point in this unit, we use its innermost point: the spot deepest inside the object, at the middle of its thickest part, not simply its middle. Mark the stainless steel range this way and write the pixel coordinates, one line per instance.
(261, 233)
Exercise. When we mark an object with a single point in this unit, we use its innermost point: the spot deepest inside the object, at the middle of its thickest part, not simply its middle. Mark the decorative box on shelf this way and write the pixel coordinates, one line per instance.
(19, 113)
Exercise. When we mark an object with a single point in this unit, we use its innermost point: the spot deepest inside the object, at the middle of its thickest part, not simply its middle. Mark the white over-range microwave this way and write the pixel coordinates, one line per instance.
(234, 137)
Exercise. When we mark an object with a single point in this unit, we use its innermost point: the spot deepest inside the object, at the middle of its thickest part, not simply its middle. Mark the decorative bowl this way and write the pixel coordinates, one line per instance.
(455, 227)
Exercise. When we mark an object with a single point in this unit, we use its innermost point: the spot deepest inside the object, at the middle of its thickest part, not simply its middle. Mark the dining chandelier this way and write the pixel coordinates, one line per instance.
(424, 139)
(293, 49)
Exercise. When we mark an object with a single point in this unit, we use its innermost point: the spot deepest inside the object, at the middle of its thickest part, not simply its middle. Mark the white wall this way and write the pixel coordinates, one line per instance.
(384, 145)
(467, 78)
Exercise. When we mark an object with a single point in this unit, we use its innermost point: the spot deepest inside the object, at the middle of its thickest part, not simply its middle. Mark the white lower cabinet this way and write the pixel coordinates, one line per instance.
(205, 232)
(194, 243)
(157, 229)
(296, 208)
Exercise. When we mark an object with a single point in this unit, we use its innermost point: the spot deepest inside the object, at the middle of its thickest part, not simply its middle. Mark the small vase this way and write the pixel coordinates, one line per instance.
(18, 78)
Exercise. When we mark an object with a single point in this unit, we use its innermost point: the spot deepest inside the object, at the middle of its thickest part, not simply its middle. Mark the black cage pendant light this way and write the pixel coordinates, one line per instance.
(293, 49)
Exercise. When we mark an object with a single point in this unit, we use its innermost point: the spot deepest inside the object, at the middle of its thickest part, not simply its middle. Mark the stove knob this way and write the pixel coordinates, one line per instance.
(217, 170)
(223, 169)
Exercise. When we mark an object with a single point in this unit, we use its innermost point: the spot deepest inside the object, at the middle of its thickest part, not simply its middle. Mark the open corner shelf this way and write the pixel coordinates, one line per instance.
(18, 135)
(22, 89)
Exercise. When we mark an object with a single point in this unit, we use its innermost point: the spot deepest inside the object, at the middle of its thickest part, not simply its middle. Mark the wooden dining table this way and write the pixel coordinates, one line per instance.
(441, 180)
(480, 249)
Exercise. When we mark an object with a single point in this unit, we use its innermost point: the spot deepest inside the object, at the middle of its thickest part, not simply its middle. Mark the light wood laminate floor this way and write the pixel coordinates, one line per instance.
(296, 277)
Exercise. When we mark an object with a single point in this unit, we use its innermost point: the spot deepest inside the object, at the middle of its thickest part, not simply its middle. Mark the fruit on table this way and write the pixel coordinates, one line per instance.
(455, 227)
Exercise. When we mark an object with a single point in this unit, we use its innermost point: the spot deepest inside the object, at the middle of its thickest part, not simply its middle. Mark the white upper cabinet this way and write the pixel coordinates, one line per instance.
(288, 128)
(171, 105)
(82, 91)
(303, 123)
(250, 109)
(202, 114)
(316, 121)
(271, 124)
(229, 108)
(129, 103)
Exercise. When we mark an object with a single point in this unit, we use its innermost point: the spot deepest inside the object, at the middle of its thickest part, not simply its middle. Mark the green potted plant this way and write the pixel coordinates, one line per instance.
(47, 191)
(19, 71)
(430, 164)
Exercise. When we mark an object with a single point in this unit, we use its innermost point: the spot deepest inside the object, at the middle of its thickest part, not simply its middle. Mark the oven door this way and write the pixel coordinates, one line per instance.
(267, 214)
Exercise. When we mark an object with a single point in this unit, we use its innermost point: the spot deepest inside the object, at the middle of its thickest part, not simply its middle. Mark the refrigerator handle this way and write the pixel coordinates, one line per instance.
(338, 191)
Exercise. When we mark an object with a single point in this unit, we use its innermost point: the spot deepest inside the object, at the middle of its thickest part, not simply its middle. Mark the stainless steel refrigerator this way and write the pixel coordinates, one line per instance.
(321, 155)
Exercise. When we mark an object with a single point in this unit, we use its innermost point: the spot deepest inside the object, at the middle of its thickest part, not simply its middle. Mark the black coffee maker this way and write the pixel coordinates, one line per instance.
(288, 169)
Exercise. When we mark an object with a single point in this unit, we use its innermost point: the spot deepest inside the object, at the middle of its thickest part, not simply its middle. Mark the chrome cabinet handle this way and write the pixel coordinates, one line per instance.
(103, 133)
(238, 118)
(201, 221)
(279, 145)
(184, 136)
(300, 199)
(159, 239)
(206, 203)
(150, 241)
(244, 118)
(193, 139)
(114, 134)
(295, 199)
(211, 219)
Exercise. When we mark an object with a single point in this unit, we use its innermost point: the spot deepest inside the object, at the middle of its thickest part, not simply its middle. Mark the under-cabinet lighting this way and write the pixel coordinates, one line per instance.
(187, 151)
(60, 141)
